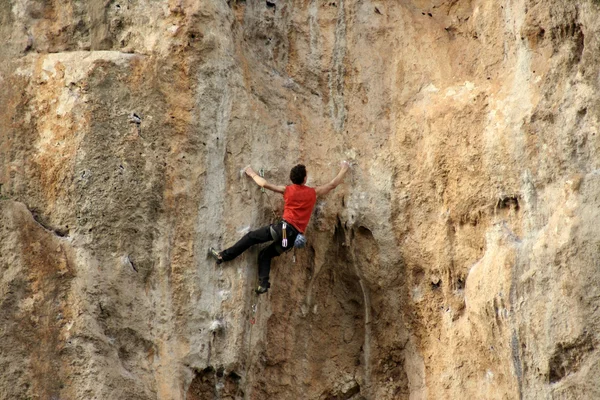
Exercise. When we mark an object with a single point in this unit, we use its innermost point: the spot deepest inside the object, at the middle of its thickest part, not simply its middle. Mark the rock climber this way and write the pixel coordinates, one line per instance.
(299, 201)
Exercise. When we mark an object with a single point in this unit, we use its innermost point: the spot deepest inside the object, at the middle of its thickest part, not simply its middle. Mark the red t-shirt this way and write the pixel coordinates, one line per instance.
(299, 201)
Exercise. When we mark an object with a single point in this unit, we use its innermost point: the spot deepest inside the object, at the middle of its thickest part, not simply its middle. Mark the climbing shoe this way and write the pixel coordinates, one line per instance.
(215, 254)
(261, 289)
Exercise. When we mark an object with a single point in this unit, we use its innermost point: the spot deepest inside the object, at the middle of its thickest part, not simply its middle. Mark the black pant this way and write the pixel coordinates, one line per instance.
(262, 235)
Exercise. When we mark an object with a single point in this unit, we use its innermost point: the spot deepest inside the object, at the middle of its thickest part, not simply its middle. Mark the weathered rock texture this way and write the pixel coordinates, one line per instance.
(460, 258)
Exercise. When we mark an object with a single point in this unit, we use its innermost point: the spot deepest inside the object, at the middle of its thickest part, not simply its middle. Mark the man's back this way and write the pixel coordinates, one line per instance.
(299, 202)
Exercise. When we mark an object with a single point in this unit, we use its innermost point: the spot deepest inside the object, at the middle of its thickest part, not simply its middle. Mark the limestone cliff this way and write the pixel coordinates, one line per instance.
(459, 259)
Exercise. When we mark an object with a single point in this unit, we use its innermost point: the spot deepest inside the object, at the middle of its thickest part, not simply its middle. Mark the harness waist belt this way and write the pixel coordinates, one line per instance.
(292, 227)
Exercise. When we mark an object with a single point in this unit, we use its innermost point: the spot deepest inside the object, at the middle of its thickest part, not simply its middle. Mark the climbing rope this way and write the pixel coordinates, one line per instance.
(261, 173)
(252, 319)
(253, 312)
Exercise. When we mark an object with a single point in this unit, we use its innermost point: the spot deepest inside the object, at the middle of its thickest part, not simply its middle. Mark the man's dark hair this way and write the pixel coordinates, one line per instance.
(297, 174)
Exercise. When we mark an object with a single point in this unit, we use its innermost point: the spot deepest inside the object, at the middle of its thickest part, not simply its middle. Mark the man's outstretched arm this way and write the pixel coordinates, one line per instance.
(322, 190)
(262, 182)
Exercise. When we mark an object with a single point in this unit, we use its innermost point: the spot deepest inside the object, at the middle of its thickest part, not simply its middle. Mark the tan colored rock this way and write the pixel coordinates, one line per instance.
(458, 259)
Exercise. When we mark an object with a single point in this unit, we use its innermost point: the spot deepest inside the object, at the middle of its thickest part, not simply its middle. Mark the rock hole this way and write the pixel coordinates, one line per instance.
(579, 41)
(133, 266)
(508, 202)
(418, 274)
(363, 230)
(234, 376)
(567, 358)
(346, 393)
(541, 33)
(57, 231)
(203, 385)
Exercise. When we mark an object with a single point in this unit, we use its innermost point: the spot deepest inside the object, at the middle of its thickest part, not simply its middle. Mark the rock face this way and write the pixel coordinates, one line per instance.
(459, 259)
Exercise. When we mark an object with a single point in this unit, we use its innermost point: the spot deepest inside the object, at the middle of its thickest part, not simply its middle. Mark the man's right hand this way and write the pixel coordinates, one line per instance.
(262, 182)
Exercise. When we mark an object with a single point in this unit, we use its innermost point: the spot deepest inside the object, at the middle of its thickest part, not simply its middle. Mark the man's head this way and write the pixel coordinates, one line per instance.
(297, 174)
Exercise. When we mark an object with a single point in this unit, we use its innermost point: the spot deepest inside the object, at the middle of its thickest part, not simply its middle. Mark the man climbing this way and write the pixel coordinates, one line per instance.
(299, 201)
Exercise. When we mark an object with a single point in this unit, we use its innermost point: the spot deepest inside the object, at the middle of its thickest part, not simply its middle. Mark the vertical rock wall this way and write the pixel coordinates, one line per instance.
(458, 259)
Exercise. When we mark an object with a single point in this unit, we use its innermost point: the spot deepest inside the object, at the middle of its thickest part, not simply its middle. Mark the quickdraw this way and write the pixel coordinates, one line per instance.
(284, 241)
(261, 173)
